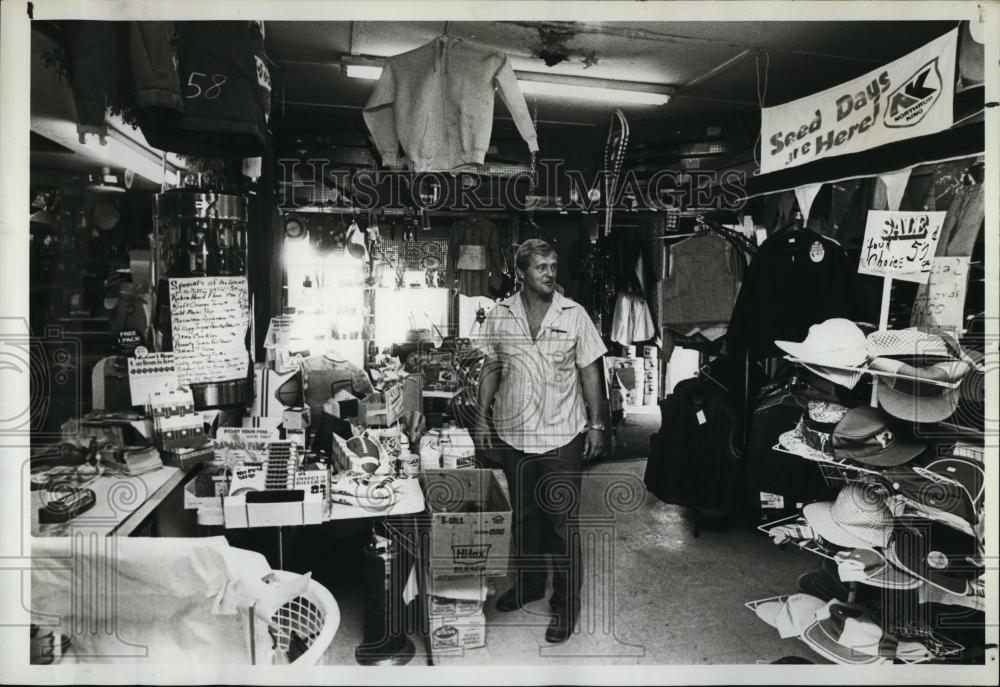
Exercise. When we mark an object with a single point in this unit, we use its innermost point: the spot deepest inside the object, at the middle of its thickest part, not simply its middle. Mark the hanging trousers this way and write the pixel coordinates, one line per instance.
(545, 495)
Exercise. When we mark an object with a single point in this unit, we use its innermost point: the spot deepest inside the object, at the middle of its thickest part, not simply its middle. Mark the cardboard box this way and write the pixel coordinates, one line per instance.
(443, 607)
(239, 514)
(455, 634)
(451, 597)
(470, 523)
(194, 502)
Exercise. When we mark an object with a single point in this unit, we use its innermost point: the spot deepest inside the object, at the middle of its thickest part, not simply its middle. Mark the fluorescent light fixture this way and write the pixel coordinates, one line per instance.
(363, 71)
(599, 93)
(538, 83)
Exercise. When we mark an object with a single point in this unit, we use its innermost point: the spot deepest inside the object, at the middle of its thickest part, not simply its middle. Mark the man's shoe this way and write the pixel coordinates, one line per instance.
(513, 599)
(561, 627)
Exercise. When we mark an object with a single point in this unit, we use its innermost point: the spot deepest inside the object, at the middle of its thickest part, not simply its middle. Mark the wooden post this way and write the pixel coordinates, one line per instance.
(883, 324)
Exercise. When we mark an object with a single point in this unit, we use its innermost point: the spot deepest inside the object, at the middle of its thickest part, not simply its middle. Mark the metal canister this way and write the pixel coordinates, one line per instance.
(385, 640)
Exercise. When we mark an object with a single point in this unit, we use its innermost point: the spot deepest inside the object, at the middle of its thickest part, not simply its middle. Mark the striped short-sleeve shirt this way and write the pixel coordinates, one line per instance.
(539, 404)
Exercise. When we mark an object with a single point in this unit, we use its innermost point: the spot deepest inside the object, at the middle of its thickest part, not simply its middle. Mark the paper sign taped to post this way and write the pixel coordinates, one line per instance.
(900, 245)
(150, 373)
(941, 301)
(209, 318)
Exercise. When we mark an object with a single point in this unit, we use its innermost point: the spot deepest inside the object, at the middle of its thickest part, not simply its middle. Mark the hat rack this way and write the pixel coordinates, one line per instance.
(877, 373)
(810, 545)
(846, 471)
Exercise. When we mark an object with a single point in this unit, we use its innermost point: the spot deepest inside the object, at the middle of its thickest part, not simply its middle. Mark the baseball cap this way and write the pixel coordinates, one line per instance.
(952, 484)
(858, 517)
(848, 634)
(868, 566)
(919, 395)
(834, 342)
(936, 553)
(790, 615)
(865, 436)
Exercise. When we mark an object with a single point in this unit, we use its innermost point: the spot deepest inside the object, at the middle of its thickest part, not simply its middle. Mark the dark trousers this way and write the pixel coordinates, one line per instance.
(545, 496)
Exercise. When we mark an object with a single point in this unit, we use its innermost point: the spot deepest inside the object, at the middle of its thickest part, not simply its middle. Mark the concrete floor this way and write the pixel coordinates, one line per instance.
(653, 593)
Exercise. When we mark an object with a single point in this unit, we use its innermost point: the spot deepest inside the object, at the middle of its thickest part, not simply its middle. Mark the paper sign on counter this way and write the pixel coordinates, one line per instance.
(941, 301)
(151, 373)
(900, 245)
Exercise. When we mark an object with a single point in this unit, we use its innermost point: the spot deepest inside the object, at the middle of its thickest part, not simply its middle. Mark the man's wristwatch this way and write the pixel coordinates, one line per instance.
(599, 426)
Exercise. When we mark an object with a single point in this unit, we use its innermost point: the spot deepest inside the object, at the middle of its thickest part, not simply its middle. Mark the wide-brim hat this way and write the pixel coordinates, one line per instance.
(857, 518)
(928, 393)
(866, 436)
(910, 342)
(848, 634)
(836, 342)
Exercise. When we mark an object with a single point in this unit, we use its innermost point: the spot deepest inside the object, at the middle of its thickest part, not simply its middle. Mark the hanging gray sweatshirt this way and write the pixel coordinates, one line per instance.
(437, 101)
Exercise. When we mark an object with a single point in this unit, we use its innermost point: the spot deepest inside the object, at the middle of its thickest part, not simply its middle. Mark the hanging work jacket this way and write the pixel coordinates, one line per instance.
(437, 102)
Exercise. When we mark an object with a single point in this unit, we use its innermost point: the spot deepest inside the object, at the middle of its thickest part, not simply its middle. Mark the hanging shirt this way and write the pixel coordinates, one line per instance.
(539, 404)
(437, 102)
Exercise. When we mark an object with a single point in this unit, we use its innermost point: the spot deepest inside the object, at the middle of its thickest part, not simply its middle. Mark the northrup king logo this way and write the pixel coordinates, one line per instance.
(909, 103)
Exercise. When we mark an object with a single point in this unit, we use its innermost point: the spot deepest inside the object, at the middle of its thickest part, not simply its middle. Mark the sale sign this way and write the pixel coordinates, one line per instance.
(900, 244)
(906, 98)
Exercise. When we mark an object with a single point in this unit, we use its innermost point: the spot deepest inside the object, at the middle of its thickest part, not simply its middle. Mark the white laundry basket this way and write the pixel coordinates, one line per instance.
(314, 616)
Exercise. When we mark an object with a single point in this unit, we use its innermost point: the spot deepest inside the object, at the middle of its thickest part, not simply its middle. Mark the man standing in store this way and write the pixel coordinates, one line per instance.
(542, 387)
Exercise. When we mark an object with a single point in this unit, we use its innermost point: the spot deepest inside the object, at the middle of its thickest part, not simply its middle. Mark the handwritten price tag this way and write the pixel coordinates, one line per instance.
(941, 302)
(151, 373)
(900, 245)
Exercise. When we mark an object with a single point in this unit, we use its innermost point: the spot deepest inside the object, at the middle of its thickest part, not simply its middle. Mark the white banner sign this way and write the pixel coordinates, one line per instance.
(900, 244)
(906, 98)
(941, 302)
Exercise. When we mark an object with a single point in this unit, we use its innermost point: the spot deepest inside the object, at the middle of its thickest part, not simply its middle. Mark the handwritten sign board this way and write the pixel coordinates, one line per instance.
(209, 318)
(150, 373)
(909, 97)
(941, 301)
(900, 245)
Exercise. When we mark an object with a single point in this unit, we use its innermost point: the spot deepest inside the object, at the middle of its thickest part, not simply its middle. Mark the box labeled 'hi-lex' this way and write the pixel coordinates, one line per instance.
(470, 523)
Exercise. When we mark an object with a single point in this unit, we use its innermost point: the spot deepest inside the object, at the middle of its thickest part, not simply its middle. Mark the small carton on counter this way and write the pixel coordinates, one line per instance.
(454, 634)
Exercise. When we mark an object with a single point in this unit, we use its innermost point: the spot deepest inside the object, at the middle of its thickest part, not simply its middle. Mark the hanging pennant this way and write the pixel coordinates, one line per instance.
(806, 195)
(895, 184)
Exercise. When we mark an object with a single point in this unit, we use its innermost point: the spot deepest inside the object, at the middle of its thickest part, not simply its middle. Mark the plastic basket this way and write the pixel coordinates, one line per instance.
(314, 617)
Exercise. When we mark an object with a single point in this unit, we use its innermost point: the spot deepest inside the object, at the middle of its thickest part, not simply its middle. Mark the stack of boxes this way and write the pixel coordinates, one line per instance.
(470, 518)
(651, 376)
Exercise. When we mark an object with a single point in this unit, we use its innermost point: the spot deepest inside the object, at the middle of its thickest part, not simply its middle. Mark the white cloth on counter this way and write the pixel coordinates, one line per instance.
(632, 321)
(156, 600)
